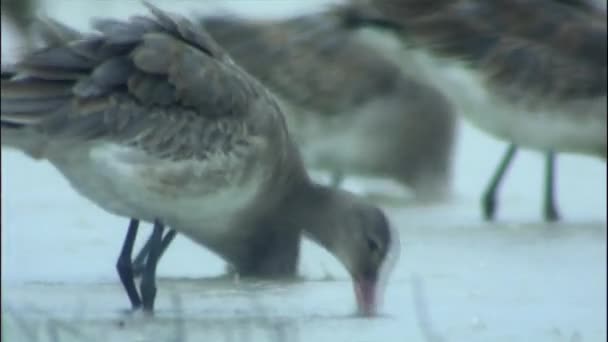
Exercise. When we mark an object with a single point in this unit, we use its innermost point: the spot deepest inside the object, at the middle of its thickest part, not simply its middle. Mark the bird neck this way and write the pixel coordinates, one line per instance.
(313, 209)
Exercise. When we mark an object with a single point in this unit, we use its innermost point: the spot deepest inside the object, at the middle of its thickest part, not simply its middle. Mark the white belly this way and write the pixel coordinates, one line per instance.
(539, 123)
(566, 126)
(186, 195)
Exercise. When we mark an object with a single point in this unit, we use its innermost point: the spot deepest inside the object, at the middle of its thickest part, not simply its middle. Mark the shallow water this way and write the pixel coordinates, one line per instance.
(457, 278)
(461, 281)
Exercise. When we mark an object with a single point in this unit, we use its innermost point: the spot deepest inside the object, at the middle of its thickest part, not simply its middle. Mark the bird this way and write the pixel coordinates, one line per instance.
(350, 108)
(150, 119)
(531, 73)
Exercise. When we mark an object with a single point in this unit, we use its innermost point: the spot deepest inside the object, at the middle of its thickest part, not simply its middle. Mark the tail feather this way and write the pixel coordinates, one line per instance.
(56, 58)
(37, 87)
(103, 84)
(28, 108)
(34, 89)
(27, 101)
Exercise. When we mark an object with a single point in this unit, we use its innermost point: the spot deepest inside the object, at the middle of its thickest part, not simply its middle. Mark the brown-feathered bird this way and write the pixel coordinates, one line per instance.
(150, 119)
(532, 73)
(349, 107)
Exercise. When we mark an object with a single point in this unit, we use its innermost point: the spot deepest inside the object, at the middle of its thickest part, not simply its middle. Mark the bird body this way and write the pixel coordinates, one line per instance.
(143, 160)
(531, 73)
(152, 120)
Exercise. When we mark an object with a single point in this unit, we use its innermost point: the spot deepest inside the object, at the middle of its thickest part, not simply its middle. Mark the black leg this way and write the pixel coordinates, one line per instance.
(488, 200)
(123, 266)
(140, 261)
(148, 278)
(550, 209)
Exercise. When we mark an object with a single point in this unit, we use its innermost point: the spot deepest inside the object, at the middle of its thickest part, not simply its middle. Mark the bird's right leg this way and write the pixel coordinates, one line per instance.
(140, 260)
(148, 277)
(124, 266)
(488, 200)
(549, 207)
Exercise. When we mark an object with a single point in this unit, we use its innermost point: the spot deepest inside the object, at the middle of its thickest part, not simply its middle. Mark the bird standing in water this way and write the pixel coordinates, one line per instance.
(534, 72)
(151, 119)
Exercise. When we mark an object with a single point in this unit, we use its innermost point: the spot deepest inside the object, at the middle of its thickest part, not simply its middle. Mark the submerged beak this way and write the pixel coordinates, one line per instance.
(365, 290)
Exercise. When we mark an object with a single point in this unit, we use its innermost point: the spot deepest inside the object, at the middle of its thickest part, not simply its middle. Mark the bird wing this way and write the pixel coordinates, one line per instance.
(158, 82)
(543, 48)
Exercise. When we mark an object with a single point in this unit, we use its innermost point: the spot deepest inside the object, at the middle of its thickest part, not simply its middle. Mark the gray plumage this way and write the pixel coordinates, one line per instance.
(349, 107)
(531, 73)
(535, 70)
(150, 119)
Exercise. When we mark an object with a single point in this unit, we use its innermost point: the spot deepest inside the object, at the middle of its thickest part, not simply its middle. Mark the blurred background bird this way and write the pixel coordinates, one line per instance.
(530, 73)
(351, 108)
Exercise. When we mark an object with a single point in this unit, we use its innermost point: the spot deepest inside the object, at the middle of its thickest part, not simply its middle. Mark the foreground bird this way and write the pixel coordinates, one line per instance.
(150, 119)
(349, 108)
(533, 72)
